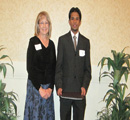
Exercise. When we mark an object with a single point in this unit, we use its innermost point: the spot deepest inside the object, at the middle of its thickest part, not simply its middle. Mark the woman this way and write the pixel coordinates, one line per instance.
(41, 61)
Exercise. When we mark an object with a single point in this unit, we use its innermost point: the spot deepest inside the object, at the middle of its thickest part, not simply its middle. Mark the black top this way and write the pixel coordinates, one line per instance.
(41, 63)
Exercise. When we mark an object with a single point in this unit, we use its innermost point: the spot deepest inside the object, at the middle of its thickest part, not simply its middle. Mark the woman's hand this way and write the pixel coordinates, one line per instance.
(45, 93)
(48, 92)
(42, 92)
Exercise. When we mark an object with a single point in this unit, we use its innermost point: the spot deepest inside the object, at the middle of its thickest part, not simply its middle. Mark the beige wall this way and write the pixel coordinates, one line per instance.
(105, 22)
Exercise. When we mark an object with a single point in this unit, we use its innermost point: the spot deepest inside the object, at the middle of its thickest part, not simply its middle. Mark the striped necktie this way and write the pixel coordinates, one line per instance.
(74, 42)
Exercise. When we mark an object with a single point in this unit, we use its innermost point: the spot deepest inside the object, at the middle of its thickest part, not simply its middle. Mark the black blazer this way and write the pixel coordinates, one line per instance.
(73, 68)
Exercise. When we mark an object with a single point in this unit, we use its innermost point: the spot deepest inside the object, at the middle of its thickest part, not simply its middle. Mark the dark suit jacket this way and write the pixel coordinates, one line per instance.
(73, 68)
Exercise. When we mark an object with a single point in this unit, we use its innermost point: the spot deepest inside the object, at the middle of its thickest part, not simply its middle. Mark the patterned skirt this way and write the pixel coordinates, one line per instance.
(36, 107)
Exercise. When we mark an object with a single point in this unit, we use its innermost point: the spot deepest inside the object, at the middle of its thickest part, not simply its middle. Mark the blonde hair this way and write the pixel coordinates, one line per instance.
(39, 17)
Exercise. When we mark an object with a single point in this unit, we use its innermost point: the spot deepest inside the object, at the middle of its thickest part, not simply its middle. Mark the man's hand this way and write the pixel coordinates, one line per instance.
(83, 91)
(59, 91)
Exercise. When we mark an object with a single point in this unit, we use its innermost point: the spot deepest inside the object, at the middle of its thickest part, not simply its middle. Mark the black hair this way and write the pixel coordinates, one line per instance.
(73, 9)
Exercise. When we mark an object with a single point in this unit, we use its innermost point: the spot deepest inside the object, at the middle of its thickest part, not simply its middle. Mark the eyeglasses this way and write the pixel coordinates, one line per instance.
(43, 23)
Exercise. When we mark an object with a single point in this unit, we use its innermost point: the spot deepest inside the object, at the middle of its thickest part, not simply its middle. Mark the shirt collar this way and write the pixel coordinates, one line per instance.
(72, 34)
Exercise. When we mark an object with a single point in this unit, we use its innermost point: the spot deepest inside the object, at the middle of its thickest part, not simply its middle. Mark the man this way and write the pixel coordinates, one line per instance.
(73, 69)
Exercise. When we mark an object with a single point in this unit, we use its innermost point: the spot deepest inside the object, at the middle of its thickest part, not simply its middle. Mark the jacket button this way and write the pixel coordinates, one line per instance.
(75, 77)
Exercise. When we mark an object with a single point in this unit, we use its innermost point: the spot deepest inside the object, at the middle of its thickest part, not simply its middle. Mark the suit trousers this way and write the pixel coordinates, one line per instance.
(78, 109)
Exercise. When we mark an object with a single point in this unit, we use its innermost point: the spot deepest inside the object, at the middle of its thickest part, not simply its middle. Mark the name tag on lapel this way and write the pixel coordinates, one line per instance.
(81, 53)
(38, 47)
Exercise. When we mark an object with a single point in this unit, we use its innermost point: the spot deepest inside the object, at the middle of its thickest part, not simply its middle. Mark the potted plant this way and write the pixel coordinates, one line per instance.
(117, 104)
(8, 108)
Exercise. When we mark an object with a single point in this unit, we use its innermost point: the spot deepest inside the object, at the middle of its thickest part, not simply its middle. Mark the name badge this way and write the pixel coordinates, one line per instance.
(38, 47)
(81, 53)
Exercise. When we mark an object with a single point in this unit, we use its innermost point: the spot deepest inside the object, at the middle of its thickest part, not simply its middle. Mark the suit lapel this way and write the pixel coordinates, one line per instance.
(79, 42)
(70, 41)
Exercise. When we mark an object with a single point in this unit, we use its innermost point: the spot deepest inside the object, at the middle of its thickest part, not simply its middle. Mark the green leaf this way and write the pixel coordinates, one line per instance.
(3, 67)
(114, 55)
(127, 62)
(102, 62)
(126, 75)
(3, 86)
(13, 94)
(124, 49)
(120, 91)
(0, 85)
(0, 68)
(124, 91)
(13, 105)
(10, 66)
(6, 56)
(110, 91)
(124, 72)
(6, 104)
(110, 99)
(111, 63)
(1, 48)
(107, 76)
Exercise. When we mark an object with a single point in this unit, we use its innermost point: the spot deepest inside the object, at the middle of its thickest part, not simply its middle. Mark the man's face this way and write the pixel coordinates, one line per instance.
(74, 22)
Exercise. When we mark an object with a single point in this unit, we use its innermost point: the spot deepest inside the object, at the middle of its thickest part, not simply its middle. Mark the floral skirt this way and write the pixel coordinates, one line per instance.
(36, 107)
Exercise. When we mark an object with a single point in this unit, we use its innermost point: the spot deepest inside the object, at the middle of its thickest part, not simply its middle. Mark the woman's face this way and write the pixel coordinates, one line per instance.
(44, 26)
